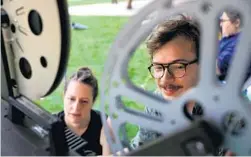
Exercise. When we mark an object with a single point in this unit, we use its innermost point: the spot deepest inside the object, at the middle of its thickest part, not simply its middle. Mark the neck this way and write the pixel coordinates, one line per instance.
(78, 128)
(238, 31)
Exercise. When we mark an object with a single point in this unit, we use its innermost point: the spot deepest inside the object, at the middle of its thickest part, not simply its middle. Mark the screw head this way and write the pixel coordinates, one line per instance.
(234, 123)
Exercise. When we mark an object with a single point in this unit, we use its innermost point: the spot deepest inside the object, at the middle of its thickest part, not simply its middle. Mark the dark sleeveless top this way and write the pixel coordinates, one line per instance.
(91, 135)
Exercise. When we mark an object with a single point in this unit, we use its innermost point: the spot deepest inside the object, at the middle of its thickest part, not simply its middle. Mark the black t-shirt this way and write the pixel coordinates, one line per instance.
(91, 135)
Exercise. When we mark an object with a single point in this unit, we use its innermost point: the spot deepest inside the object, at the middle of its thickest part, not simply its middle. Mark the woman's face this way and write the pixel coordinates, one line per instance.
(78, 101)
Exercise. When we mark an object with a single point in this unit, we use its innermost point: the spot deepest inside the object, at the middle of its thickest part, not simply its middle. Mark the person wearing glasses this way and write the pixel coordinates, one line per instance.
(173, 47)
(230, 24)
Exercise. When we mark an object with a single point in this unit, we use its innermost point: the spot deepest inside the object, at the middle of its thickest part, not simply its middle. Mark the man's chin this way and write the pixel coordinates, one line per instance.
(167, 97)
(170, 97)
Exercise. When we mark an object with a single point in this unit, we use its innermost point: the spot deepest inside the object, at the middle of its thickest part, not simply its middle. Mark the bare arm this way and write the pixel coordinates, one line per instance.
(105, 146)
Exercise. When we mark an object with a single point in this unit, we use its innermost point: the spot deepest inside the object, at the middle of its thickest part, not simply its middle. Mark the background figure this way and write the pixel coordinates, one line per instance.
(230, 23)
(129, 4)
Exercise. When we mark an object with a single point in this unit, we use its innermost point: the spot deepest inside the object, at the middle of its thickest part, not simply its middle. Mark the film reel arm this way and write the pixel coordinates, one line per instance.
(180, 143)
(217, 112)
(200, 139)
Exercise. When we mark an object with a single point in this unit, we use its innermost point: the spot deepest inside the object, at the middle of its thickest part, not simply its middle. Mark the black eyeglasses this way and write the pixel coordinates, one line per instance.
(175, 69)
(224, 20)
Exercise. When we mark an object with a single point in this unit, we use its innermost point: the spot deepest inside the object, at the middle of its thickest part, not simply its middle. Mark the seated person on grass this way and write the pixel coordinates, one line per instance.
(80, 93)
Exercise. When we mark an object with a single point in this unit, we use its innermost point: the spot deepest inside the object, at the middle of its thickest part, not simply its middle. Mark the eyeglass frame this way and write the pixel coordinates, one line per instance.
(166, 66)
(224, 20)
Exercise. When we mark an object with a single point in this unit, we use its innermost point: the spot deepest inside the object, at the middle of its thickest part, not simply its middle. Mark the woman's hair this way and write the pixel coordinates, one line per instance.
(85, 76)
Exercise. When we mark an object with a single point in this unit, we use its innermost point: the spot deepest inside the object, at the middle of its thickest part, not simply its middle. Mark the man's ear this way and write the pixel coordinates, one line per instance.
(238, 23)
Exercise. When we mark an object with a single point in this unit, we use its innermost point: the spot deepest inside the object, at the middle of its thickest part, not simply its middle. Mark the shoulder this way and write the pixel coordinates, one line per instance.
(230, 42)
(96, 113)
(96, 120)
(59, 115)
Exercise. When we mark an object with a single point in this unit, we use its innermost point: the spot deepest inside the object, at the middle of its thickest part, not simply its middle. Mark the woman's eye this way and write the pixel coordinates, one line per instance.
(84, 102)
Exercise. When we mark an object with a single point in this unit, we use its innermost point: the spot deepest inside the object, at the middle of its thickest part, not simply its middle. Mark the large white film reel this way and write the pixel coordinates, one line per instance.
(207, 90)
(36, 39)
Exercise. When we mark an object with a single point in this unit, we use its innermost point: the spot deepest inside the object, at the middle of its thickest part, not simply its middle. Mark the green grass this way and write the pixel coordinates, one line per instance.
(90, 48)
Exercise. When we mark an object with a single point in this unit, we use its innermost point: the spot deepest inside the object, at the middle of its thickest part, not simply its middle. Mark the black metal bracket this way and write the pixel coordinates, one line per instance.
(200, 139)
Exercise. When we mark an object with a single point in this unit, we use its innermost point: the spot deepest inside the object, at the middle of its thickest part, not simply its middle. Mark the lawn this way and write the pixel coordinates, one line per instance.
(90, 48)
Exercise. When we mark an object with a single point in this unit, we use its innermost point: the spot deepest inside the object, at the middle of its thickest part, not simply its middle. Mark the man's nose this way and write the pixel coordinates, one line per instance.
(167, 75)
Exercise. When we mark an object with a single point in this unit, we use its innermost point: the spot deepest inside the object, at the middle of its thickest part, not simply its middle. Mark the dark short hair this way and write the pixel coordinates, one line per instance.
(171, 29)
(233, 15)
(85, 76)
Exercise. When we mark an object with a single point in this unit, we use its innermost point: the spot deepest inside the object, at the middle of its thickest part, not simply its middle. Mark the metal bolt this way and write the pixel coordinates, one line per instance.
(234, 123)
(206, 7)
(173, 122)
(196, 148)
(200, 146)
(216, 98)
